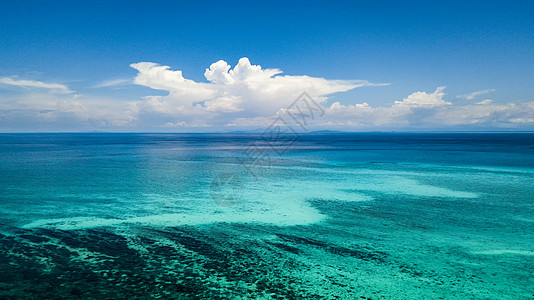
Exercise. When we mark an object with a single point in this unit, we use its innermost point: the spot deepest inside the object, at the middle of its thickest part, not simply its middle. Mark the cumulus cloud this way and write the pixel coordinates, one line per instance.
(473, 95)
(422, 110)
(422, 99)
(244, 88)
(52, 87)
(181, 91)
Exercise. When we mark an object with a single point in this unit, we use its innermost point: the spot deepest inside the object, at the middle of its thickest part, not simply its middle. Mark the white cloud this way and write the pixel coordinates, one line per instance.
(184, 124)
(45, 111)
(53, 87)
(412, 110)
(246, 88)
(241, 98)
(256, 122)
(363, 115)
(113, 83)
(422, 99)
(421, 110)
(224, 104)
(486, 101)
(473, 95)
(183, 92)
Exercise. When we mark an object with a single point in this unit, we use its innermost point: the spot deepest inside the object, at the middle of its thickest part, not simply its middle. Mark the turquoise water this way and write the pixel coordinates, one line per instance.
(336, 216)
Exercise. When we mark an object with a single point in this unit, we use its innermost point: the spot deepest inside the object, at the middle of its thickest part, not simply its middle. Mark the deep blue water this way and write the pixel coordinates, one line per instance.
(193, 216)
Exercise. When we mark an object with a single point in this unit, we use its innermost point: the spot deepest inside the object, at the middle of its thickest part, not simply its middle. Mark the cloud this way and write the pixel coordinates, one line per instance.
(411, 111)
(246, 88)
(64, 112)
(244, 97)
(53, 87)
(185, 125)
(473, 95)
(486, 101)
(495, 115)
(182, 92)
(422, 99)
(256, 122)
(422, 110)
(113, 83)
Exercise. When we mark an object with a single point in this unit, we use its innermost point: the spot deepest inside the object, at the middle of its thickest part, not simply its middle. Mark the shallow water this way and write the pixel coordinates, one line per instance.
(369, 215)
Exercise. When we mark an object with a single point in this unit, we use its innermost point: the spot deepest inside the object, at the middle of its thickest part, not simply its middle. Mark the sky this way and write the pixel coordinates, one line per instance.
(214, 66)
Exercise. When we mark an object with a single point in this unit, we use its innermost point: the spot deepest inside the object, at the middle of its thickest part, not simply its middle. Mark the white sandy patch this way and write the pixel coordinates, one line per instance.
(274, 202)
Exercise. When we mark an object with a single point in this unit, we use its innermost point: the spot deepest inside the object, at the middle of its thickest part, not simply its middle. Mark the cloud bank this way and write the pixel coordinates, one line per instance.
(422, 110)
(243, 97)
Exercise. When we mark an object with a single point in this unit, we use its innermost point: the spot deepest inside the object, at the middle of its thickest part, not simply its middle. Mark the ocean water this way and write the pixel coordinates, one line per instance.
(232, 216)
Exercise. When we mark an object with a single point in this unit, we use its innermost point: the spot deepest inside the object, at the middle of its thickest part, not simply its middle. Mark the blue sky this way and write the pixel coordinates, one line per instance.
(403, 52)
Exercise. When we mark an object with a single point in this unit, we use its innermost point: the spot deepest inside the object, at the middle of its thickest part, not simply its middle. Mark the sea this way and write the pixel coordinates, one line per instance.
(322, 215)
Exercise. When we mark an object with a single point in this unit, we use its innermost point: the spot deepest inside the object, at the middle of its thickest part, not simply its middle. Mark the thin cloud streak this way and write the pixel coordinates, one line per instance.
(473, 95)
(114, 83)
(53, 87)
